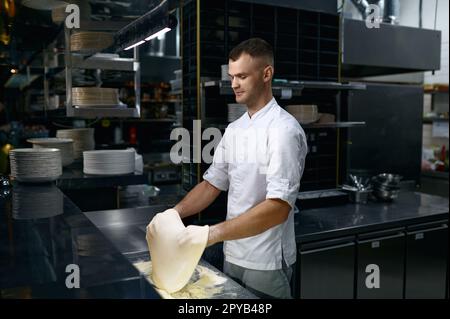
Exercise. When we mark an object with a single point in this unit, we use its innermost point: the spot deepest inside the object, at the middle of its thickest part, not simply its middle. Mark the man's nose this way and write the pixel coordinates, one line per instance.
(234, 83)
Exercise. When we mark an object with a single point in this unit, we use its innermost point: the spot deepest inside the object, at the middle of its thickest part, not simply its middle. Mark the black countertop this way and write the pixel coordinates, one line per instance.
(74, 178)
(408, 209)
(41, 233)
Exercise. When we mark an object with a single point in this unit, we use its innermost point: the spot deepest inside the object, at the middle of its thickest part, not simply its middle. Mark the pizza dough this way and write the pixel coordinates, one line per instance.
(175, 250)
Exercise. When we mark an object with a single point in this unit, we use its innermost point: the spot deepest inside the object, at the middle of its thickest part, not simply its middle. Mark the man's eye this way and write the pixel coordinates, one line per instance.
(242, 77)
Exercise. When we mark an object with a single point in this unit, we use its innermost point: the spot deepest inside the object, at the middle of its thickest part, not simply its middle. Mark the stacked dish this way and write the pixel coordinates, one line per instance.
(305, 114)
(95, 97)
(235, 111)
(88, 41)
(65, 145)
(108, 162)
(34, 202)
(83, 140)
(35, 164)
(386, 186)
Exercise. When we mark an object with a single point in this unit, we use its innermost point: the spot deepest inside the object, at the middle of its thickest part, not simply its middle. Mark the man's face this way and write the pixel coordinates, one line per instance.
(248, 76)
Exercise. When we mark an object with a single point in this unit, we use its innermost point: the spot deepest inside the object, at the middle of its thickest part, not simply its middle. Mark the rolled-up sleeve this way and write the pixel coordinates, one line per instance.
(217, 173)
(287, 152)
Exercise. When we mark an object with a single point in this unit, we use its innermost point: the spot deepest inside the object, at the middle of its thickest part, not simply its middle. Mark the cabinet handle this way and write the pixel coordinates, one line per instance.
(326, 248)
(379, 239)
(419, 236)
(423, 231)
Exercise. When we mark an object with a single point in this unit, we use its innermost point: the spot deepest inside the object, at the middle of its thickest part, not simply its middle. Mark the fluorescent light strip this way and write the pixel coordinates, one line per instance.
(157, 34)
(134, 45)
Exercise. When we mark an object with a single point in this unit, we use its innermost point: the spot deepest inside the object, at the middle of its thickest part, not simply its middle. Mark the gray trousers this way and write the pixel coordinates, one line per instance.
(266, 284)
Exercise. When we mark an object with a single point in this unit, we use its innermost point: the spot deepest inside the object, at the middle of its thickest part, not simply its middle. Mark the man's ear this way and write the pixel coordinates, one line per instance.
(268, 73)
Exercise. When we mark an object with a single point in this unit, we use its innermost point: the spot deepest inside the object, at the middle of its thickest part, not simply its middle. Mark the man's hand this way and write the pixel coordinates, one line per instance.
(192, 236)
(213, 235)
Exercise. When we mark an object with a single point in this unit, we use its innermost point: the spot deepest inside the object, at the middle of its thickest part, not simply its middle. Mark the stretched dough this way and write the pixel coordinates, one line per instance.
(175, 250)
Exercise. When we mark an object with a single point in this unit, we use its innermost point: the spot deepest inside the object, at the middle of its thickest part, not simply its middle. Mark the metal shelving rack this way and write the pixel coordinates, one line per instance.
(287, 89)
(101, 62)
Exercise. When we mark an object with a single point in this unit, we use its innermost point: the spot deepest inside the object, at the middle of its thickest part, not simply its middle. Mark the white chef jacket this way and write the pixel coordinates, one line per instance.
(259, 158)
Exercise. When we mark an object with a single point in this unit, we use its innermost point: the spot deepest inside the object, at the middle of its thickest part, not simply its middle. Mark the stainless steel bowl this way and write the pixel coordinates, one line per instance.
(386, 186)
(385, 195)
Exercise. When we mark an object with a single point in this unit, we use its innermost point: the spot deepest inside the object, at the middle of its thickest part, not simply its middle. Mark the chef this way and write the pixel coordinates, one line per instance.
(260, 161)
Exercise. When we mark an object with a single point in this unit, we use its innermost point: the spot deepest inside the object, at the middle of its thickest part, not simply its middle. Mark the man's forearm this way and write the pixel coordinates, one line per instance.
(260, 218)
(197, 199)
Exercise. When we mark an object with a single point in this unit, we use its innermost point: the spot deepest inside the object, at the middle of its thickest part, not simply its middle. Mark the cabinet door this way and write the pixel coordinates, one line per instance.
(327, 272)
(426, 262)
(380, 261)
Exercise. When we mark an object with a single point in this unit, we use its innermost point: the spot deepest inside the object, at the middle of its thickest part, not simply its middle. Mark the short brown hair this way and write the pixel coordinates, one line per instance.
(255, 47)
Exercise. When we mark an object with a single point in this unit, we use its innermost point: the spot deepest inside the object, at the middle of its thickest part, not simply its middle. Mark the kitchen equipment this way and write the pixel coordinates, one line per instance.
(360, 189)
(35, 165)
(83, 140)
(109, 162)
(65, 145)
(359, 196)
(386, 186)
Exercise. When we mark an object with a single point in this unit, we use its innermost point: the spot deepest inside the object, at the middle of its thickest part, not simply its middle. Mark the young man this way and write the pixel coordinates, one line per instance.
(258, 234)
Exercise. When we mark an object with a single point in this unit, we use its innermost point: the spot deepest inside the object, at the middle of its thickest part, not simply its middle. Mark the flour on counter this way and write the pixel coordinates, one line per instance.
(203, 284)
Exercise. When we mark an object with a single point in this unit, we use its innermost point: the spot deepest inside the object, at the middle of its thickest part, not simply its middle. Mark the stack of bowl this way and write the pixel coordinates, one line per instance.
(83, 140)
(65, 145)
(386, 186)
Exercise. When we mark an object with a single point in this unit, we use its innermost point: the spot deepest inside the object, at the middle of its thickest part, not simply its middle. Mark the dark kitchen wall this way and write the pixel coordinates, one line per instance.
(391, 141)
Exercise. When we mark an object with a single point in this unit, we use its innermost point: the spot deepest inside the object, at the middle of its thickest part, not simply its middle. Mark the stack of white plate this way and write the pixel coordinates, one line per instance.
(35, 164)
(65, 145)
(83, 140)
(95, 97)
(305, 114)
(108, 162)
(235, 111)
(88, 41)
(34, 202)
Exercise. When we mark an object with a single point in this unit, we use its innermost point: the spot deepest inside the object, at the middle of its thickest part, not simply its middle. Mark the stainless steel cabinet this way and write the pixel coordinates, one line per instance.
(426, 260)
(380, 264)
(326, 269)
